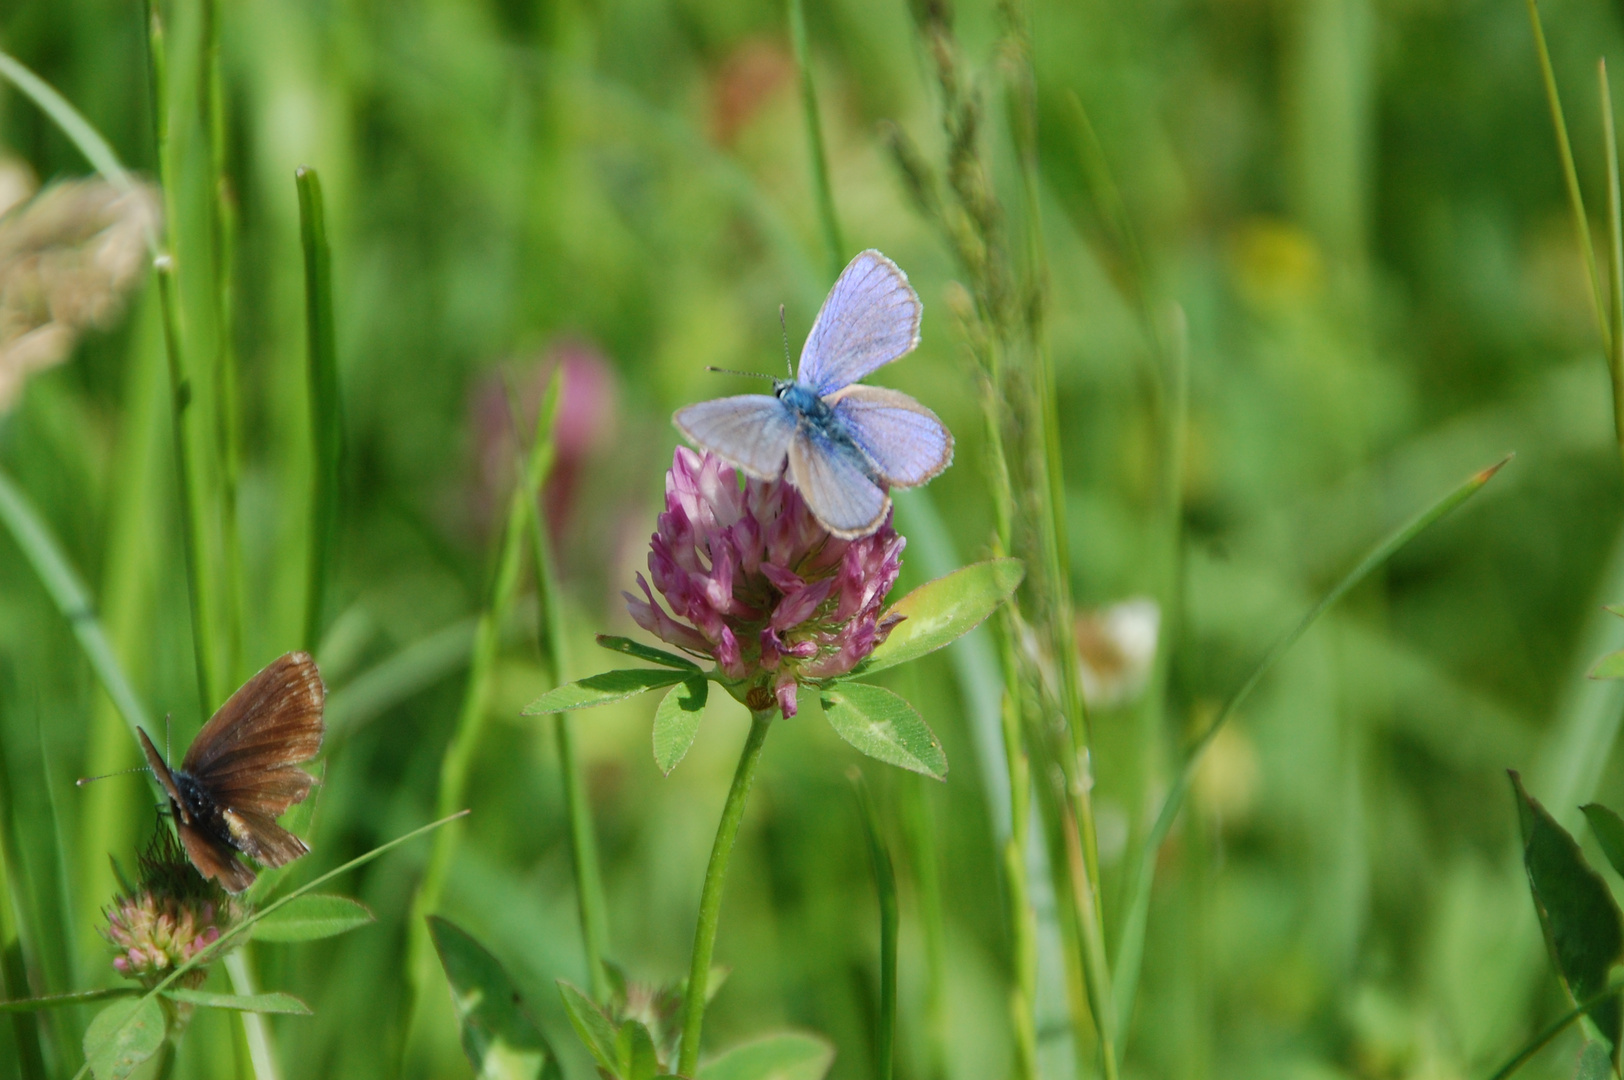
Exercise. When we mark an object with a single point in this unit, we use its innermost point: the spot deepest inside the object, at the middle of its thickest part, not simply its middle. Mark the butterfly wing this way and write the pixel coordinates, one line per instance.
(751, 431)
(261, 837)
(214, 858)
(160, 770)
(905, 441)
(831, 478)
(870, 318)
(247, 756)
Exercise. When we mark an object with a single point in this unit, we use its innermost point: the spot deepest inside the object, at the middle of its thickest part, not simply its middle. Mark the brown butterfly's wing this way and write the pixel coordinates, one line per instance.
(160, 769)
(214, 858)
(262, 838)
(247, 756)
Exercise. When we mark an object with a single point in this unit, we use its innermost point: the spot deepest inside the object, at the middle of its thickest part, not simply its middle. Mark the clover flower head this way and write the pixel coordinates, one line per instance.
(754, 582)
(171, 917)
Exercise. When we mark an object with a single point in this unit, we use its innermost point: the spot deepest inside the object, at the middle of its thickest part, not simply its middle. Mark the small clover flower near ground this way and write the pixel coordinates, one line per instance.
(171, 916)
(755, 583)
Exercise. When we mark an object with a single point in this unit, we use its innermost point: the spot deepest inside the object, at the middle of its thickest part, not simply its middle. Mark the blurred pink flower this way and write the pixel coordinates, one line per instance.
(756, 584)
(585, 423)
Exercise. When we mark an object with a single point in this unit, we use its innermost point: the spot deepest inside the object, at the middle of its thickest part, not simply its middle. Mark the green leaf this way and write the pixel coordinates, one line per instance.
(1610, 666)
(602, 689)
(596, 1030)
(885, 727)
(645, 652)
(275, 1002)
(791, 1055)
(1583, 928)
(122, 1036)
(1609, 830)
(313, 917)
(676, 722)
(1594, 1063)
(500, 1038)
(635, 1051)
(939, 611)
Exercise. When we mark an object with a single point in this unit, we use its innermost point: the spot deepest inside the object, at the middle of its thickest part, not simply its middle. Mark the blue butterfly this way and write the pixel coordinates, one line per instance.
(846, 445)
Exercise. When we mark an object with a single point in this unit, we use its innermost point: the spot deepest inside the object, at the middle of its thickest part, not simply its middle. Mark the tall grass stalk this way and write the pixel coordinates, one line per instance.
(591, 906)
(710, 897)
(228, 406)
(919, 834)
(501, 593)
(834, 244)
(885, 889)
(321, 370)
(15, 942)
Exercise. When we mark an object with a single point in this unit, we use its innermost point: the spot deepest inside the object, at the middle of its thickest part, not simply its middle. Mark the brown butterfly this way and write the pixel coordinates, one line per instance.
(242, 772)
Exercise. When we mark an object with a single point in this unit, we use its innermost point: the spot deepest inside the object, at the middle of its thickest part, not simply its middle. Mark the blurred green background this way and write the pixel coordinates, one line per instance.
(1358, 207)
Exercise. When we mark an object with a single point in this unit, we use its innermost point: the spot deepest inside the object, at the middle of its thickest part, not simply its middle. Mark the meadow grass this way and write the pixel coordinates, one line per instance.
(1228, 306)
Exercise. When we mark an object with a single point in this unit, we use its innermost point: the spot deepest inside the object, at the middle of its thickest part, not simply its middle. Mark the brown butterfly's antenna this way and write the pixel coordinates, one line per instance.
(83, 780)
(732, 371)
(782, 326)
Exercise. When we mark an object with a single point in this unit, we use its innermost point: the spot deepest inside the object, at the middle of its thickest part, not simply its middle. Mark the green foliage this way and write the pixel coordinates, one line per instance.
(623, 1050)
(885, 727)
(1583, 927)
(602, 689)
(122, 1036)
(645, 652)
(788, 1056)
(1595, 1063)
(1609, 830)
(498, 1035)
(676, 722)
(274, 1002)
(939, 612)
(313, 917)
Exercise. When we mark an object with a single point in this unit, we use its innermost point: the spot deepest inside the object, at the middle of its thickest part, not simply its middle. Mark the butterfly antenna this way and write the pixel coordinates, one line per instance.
(784, 328)
(83, 780)
(733, 371)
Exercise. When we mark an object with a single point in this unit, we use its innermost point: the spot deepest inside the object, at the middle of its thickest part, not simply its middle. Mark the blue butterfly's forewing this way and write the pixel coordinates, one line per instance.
(833, 479)
(870, 318)
(905, 441)
(751, 431)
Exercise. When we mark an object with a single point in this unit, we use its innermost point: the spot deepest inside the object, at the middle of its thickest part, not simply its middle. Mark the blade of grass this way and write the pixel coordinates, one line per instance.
(827, 218)
(79, 131)
(1545, 1037)
(1615, 231)
(57, 1001)
(222, 222)
(589, 896)
(919, 839)
(326, 429)
(255, 1029)
(13, 963)
(1130, 948)
(502, 591)
(219, 945)
(885, 888)
(1570, 177)
(51, 565)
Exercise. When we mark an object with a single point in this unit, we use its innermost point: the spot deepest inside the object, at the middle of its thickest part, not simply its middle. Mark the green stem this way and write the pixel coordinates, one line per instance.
(13, 965)
(325, 416)
(1543, 1039)
(827, 218)
(589, 898)
(710, 897)
(254, 1028)
(227, 406)
(1615, 228)
(885, 887)
(920, 835)
(180, 390)
(1022, 919)
(1570, 176)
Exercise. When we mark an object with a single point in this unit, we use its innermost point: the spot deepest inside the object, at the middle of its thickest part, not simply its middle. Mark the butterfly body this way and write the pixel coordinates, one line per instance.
(843, 445)
(242, 772)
